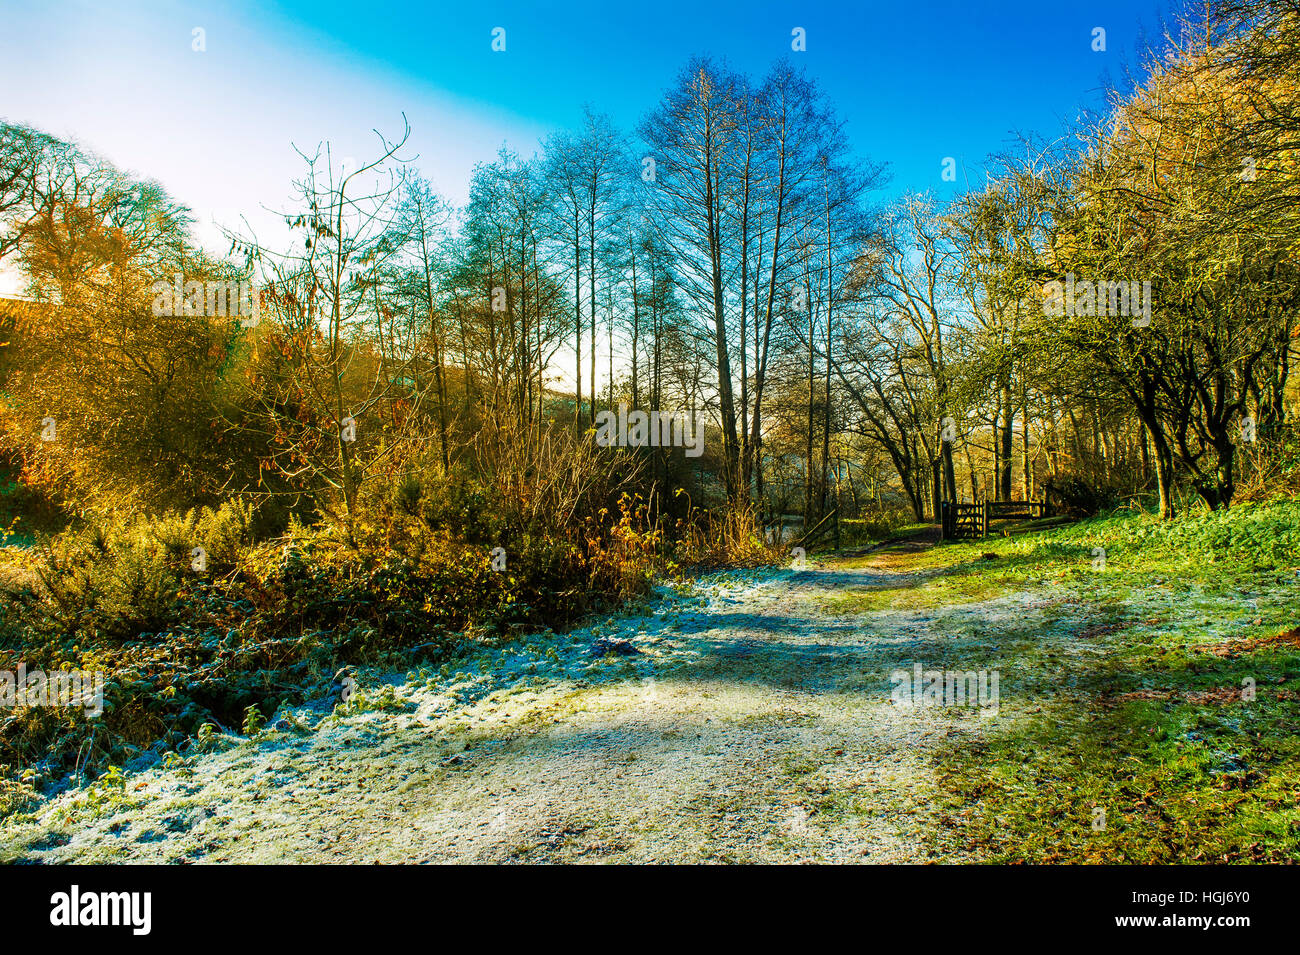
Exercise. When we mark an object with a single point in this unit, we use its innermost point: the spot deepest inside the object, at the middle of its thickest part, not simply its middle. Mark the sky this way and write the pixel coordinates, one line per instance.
(916, 81)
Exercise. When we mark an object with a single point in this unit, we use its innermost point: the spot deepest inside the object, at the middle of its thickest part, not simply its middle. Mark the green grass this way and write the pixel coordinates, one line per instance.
(1131, 702)
(935, 592)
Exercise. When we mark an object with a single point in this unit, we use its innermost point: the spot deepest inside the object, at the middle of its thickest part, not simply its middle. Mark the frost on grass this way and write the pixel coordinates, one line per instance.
(749, 726)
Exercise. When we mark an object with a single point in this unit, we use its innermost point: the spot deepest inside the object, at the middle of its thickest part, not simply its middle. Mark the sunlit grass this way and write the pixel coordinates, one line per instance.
(1137, 709)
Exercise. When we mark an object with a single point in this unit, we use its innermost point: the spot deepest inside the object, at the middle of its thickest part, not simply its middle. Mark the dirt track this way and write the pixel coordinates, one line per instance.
(753, 727)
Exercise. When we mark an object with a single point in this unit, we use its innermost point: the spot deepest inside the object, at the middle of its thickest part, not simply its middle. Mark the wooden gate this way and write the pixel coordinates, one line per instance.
(971, 521)
(964, 521)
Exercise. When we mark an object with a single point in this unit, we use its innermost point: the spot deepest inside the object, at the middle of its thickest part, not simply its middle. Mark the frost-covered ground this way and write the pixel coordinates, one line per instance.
(754, 725)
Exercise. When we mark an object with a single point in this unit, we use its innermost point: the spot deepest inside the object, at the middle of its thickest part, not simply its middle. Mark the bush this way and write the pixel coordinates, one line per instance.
(732, 538)
(1253, 535)
(1249, 536)
(120, 578)
(267, 624)
(261, 626)
(1073, 496)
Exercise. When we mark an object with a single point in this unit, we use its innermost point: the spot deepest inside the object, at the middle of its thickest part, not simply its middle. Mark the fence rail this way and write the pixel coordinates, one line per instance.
(1025, 510)
(970, 521)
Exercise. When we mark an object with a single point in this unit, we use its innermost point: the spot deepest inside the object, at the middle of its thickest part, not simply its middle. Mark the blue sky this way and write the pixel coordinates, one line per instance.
(916, 80)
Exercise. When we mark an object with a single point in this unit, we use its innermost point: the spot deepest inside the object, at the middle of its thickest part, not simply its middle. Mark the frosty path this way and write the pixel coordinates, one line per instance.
(754, 726)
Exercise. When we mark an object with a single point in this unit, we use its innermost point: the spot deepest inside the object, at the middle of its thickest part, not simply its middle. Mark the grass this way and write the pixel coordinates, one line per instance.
(936, 592)
(1130, 733)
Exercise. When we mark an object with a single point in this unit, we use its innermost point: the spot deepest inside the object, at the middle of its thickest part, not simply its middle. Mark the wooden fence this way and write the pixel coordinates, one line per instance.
(1021, 510)
(970, 521)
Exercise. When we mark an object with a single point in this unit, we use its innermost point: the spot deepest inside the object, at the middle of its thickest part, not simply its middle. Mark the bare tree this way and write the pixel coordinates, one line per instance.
(328, 316)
